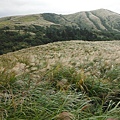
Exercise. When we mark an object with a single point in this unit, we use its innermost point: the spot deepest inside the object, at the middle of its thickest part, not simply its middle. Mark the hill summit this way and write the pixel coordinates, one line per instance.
(97, 20)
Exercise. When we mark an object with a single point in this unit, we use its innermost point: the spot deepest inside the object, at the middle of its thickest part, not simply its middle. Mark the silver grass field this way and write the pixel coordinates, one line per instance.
(72, 80)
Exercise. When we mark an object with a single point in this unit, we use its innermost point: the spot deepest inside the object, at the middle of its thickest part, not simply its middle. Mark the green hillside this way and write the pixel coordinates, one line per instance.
(18, 32)
(26, 20)
(97, 20)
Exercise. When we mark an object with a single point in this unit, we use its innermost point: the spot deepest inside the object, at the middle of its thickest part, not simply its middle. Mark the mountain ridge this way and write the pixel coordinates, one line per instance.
(96, 20)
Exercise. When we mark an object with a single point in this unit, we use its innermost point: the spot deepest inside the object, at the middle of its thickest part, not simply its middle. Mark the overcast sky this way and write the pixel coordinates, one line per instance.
(23, 7)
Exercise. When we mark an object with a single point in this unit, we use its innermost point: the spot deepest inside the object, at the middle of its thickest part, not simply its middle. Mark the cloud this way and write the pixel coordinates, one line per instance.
(16, 7)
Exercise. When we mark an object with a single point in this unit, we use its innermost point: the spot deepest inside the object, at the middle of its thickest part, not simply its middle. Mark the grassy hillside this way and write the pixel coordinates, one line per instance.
(72, 80)
(18, 32)
(96, 20)
(25, 20)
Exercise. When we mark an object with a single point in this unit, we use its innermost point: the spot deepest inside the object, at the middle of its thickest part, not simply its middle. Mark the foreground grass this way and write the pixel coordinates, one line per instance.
(34, 88)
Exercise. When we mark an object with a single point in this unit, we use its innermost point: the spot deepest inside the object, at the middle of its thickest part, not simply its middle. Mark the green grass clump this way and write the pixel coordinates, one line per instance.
(61, 89)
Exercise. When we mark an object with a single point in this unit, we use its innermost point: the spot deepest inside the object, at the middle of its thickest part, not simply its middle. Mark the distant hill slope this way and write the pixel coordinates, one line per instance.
(100, 19)
(26, 20)
(18, 32)
(96, 20)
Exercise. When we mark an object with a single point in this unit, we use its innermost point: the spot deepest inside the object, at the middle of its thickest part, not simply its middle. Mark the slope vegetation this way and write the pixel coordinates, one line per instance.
(18, 32)
(27, 20)
(73, 80)
(96, 20)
